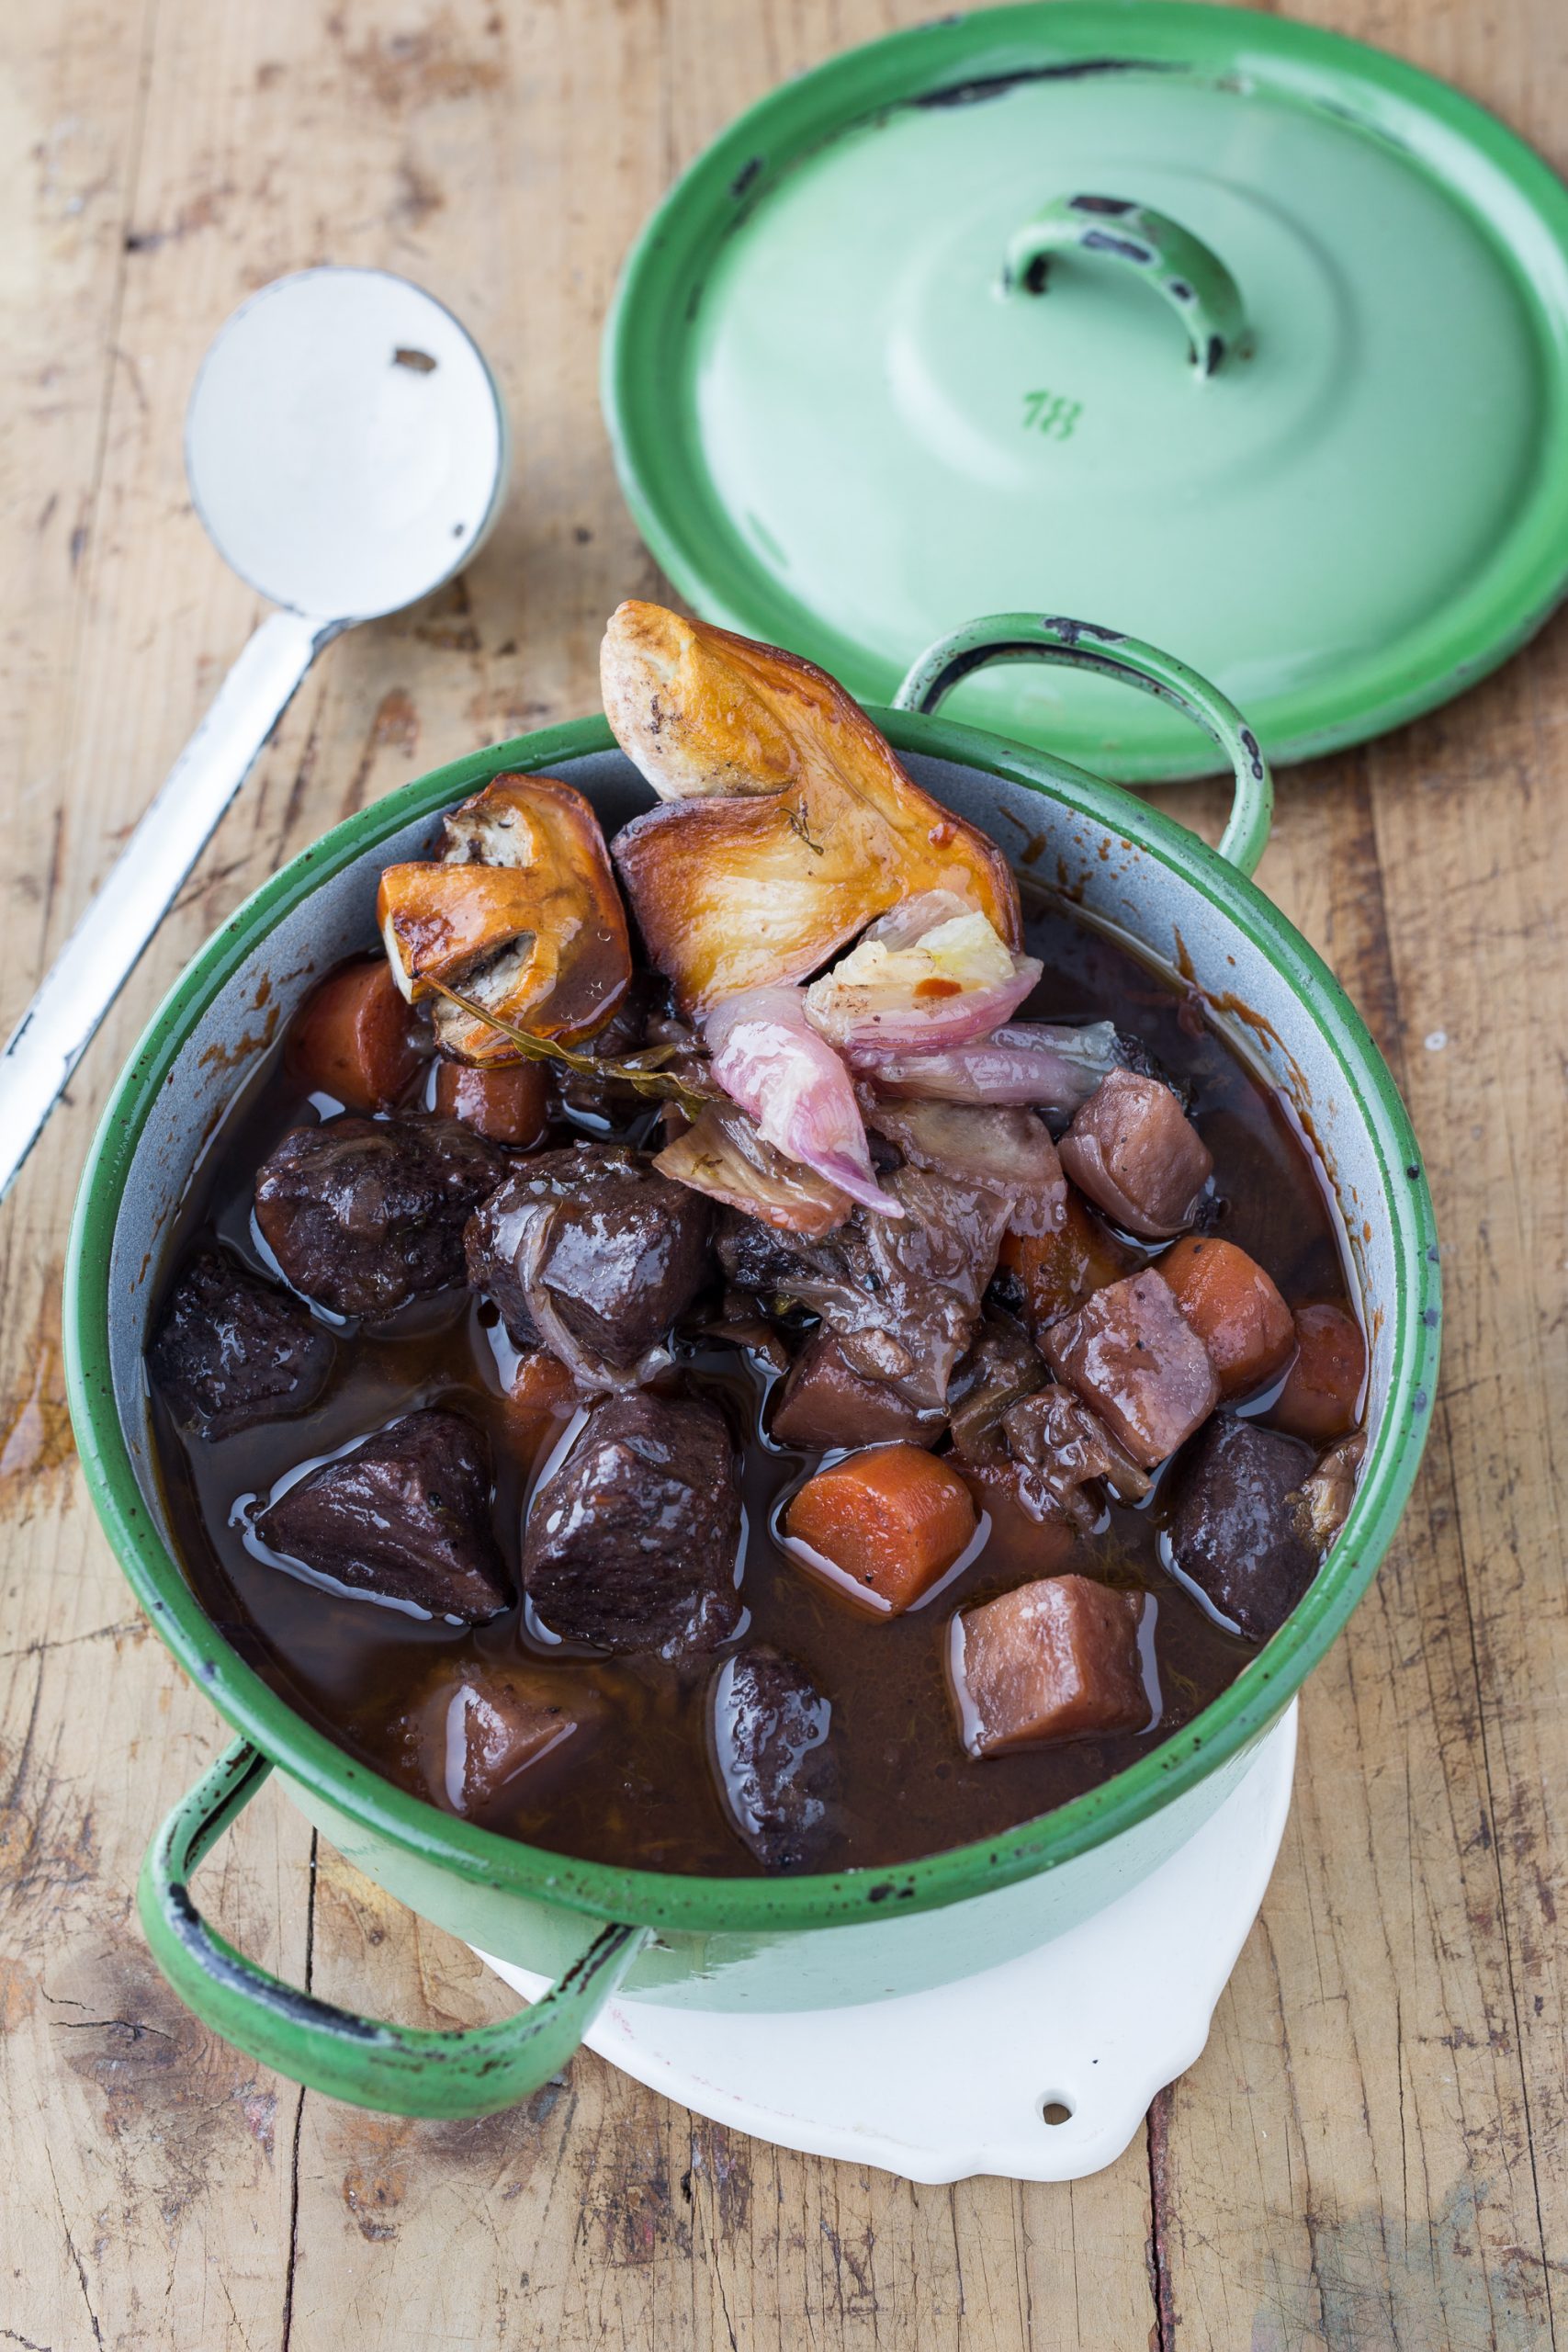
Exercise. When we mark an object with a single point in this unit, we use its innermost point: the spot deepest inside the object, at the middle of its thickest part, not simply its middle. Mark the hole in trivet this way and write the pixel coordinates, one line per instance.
(1057, 2110)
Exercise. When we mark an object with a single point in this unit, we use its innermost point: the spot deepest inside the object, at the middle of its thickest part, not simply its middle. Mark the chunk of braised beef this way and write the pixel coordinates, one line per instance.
(776, 1770)
(479, 1725)
(1235, 1525)
(631, 1543)
(1001, 1366)
(231, 1349)
(1056, 1659)
(405, 1516)
(1017, 1543)
(739, 1322)
(591, 1252)
(902, 1295)
(824, 1402)
(761, 1258)
(364, 1214)
(1133, 1358)
(1061, 1451)
(1136, 1155)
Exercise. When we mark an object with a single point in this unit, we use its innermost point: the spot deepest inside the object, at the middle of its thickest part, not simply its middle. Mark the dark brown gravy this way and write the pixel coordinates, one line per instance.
(642, 1793)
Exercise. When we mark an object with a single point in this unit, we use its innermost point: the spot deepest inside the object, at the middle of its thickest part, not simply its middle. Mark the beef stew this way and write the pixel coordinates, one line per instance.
(737, 1439)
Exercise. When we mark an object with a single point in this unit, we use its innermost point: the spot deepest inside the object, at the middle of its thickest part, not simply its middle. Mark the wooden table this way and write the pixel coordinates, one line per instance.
(1373, 2151)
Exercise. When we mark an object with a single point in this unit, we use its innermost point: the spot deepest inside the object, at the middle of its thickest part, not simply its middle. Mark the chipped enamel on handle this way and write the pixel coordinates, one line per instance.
(1174, 264)
(396, 2070)
(1081, 645)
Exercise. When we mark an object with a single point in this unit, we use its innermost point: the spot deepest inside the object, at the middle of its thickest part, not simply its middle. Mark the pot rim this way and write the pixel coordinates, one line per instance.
(678, 1901)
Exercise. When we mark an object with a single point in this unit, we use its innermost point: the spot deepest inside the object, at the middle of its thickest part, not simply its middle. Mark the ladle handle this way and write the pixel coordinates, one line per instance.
(1082, 645)
(1152, 248)
(101, 953)
(396, 2070)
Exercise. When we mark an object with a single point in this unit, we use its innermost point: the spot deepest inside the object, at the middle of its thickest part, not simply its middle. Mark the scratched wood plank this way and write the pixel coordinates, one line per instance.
(1371, 2153)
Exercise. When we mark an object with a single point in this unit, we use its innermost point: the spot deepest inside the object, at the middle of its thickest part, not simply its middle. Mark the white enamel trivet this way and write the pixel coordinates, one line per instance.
(938, 2086)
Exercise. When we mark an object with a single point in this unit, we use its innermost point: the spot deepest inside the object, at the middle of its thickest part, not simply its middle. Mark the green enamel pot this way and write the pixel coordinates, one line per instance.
(807, 1943)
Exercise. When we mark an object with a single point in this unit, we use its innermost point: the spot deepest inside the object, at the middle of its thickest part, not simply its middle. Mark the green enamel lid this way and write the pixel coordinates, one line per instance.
(1184, 321)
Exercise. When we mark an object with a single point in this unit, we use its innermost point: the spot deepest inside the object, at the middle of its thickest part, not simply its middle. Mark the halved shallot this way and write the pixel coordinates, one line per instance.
(1041, 1065)
(723, 1155)
(930, 975)
(1006, 1149)
(766, 1055)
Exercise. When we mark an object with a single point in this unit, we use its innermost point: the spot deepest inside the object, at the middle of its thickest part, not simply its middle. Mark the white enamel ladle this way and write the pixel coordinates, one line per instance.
(346, 448)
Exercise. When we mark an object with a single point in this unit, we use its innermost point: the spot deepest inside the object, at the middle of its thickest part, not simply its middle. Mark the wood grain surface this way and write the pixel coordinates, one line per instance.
(1373, 2151)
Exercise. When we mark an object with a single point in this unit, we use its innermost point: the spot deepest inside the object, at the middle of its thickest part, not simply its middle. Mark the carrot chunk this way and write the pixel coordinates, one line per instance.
(891, 1520)
(354, 1038)
(1323, 1386)
(510, 1103)
(540, 1401)
(1056, 1659)
(1234, 1310)
(1059, 1271)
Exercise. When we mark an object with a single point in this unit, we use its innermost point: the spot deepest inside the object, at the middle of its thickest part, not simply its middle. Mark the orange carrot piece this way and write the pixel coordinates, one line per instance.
(540, 1401)
(1059, 1271)
(356, 1039)
(1323, 1386)
(1234, 1310)
(510, 1103)
(892, 1520)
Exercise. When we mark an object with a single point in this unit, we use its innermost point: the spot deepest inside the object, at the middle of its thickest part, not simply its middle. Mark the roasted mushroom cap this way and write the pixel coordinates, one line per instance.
(520, 912)
(791, 823)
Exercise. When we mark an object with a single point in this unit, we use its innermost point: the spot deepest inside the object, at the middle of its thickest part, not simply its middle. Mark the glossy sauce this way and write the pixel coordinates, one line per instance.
(642, 1792)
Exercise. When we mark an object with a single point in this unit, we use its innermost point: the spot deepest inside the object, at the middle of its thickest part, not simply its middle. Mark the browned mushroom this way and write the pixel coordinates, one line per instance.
(791, 824)
(520, 913)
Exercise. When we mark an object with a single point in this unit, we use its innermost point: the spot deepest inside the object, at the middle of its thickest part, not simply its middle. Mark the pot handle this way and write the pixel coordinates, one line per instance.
(398, 2070)
(1080, 645)
(1155, 250)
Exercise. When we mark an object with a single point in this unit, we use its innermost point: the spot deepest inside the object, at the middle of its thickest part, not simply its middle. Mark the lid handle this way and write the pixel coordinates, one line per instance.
(1048, 637)
(1174, 264)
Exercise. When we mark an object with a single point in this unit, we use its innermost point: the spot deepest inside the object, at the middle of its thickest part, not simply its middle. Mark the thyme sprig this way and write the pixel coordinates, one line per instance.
(646, 1070)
